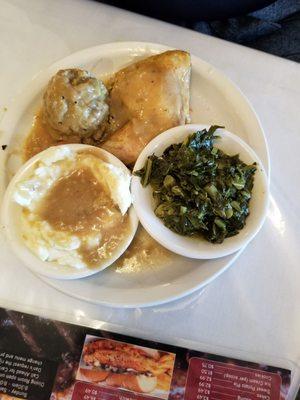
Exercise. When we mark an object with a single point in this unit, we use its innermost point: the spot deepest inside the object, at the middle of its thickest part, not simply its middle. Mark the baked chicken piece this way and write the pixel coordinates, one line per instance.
(147, 98)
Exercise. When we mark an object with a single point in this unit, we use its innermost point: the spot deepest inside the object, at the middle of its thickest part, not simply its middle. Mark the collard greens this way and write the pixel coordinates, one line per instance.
(199, 190)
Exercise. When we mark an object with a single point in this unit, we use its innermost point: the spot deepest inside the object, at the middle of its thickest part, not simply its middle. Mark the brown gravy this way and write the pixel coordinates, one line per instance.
(142, 254)
(79, 203)
(42, 136)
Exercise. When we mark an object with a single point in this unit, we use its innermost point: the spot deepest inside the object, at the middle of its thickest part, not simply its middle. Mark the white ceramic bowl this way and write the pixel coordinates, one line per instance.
(196, 247)
(10, 218)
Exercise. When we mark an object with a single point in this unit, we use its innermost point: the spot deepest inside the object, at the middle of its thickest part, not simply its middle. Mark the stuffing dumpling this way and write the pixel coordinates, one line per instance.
(75, 103)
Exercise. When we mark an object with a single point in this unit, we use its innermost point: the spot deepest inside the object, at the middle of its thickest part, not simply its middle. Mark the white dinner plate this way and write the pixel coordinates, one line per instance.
(214, 100)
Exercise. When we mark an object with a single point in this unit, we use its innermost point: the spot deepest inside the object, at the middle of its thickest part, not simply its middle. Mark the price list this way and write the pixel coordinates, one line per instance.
(211, 380)
(88, 391)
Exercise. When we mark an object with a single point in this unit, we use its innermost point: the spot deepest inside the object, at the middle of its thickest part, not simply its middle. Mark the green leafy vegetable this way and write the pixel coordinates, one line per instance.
(199, 190)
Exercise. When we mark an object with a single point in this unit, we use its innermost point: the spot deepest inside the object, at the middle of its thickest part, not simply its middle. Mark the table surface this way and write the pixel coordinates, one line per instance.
(255, 305)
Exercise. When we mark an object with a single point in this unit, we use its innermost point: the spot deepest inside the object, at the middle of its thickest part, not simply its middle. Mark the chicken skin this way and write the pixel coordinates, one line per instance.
(147, 98)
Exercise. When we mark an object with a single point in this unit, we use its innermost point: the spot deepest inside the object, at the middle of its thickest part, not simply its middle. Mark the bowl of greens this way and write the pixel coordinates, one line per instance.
(200, 191)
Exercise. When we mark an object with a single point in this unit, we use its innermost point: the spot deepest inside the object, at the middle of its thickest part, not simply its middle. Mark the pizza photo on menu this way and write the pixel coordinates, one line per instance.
(126, 367)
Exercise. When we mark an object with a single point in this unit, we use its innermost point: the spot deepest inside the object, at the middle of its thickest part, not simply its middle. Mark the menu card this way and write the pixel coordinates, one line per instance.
(42, 359)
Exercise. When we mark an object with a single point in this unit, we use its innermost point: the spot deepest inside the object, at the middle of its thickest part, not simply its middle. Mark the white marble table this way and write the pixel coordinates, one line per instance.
(255, 305)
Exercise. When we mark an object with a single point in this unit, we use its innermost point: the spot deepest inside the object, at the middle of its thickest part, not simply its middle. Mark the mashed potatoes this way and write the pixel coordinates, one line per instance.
(74, 208)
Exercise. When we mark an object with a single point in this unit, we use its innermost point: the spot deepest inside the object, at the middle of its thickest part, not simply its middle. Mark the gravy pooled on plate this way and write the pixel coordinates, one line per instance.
(144, 253)
(43, 136)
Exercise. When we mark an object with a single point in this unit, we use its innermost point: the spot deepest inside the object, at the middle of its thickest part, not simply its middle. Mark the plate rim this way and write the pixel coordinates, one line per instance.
(147, 304)
(154, 48)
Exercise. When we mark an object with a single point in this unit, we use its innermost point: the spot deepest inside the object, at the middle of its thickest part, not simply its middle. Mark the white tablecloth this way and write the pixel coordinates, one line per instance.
(255, 305)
